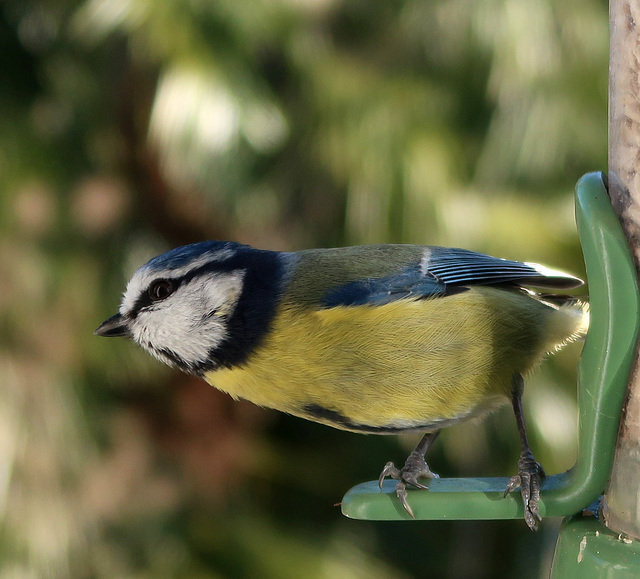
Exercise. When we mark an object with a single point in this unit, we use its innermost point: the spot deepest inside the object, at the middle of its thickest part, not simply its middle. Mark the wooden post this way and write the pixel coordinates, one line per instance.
(621, 505)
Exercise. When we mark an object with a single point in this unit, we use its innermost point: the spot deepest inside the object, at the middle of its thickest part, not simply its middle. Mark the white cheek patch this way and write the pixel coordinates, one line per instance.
(222, 292)
(192, 321)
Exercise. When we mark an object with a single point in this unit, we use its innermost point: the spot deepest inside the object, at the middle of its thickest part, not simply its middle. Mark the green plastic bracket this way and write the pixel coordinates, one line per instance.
(589, 550)
(603, 375)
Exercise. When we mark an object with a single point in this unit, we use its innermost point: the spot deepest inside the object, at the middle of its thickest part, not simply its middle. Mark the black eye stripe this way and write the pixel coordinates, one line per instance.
(145, 300)
(223, 267)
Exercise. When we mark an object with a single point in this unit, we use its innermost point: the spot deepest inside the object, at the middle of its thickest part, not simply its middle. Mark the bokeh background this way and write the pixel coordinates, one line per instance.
(130, 126)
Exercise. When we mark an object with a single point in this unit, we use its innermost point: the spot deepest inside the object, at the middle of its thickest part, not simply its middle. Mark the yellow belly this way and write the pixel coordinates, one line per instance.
(405, 364)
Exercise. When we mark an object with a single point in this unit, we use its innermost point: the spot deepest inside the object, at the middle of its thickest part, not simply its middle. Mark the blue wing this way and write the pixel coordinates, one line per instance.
(463, 267)
(380, 291)
(445, 271)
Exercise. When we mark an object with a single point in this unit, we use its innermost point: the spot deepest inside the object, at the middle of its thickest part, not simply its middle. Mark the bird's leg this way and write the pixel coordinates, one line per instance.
(414, 468)
(530, 473)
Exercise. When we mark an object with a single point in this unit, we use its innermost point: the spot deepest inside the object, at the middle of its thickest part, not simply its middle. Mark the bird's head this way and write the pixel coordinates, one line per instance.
(182, 305)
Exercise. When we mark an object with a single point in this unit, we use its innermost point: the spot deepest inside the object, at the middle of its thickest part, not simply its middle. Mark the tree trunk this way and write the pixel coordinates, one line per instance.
(621, 505)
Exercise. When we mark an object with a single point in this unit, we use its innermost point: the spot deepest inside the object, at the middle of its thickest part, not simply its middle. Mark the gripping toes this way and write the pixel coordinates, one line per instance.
(414, 468)
(529, 478)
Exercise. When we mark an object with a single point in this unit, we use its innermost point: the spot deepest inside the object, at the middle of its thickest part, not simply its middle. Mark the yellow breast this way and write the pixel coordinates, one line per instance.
(409, 363)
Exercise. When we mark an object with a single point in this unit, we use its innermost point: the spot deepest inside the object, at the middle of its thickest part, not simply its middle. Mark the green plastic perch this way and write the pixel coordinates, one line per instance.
(602, 381)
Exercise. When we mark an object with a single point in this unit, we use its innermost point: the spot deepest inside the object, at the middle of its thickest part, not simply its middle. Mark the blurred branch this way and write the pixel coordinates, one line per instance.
(158, 202)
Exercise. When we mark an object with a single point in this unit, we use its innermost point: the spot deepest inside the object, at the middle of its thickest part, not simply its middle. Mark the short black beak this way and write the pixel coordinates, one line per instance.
(114, 326)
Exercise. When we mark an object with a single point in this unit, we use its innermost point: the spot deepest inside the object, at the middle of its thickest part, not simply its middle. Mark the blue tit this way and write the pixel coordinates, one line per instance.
(373, 339)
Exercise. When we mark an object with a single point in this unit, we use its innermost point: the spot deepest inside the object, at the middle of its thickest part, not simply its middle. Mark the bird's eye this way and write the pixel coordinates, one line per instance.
(161, 289)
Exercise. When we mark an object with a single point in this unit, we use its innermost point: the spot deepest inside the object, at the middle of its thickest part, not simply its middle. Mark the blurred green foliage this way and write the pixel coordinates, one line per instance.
(130, 126)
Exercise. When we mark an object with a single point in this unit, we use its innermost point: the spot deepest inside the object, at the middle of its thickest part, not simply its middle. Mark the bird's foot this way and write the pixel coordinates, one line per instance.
(529, 477)
(414, 468)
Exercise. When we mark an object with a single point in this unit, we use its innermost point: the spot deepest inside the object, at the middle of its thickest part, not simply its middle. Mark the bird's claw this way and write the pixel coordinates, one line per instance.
(414, 468)
(529, 477)
(389, 469)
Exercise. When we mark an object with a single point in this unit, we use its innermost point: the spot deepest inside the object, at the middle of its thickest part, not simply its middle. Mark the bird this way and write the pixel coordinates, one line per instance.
(381, 339)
